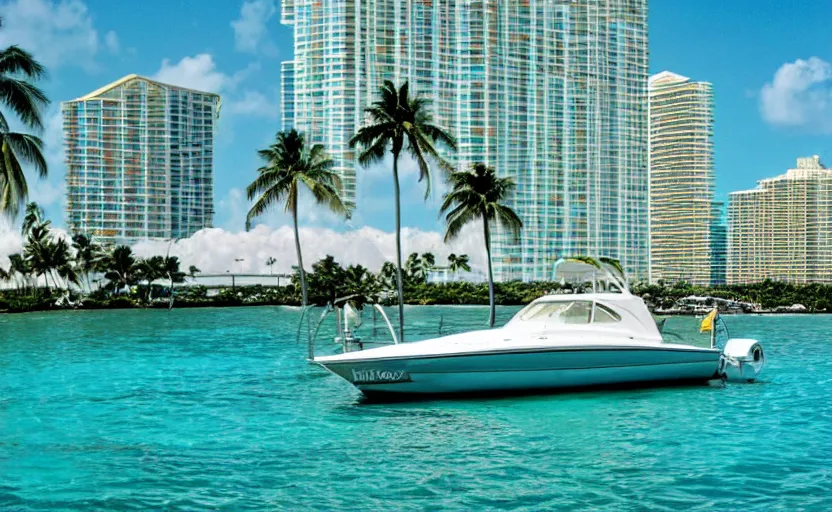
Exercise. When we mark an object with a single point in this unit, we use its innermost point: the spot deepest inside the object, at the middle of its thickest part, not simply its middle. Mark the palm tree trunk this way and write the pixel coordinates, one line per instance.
(59, 283)
(297, 248)
(487, 233)
(399, 284)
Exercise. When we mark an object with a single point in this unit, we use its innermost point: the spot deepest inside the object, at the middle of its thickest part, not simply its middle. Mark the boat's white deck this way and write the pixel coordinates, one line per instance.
(499, 340)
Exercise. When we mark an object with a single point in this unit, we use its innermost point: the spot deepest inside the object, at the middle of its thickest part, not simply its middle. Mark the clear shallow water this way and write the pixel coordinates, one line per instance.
(217, 409)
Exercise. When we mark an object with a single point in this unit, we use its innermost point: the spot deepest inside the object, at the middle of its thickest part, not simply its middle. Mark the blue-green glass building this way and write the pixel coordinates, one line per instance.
(552, 93)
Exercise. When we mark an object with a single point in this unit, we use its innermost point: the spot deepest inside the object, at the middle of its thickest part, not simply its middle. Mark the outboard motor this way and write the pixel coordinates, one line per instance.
(741, 360)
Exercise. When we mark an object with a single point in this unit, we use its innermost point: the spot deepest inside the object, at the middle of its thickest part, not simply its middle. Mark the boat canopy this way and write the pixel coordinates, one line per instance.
(603, 275)
(622, 311)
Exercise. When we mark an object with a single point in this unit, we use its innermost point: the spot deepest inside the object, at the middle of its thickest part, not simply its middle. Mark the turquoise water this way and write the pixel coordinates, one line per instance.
(217, 409)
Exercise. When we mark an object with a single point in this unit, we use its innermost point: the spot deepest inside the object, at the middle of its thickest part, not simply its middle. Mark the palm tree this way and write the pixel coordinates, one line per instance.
(403, 124)
(428, 262)
(19, 269)
(456, 263)
(193, 271)
(289, 162)
(270, 263)
(39, 253)
(32, 217)
(412, 266)
(62, 263)
(479, 193)
(5, 276)
(417, 267)
(387, 275)
(120, 267)
(18, 69)
(88, 256)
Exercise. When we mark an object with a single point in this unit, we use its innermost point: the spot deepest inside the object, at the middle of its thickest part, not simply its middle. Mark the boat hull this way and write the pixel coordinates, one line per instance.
(527, 370)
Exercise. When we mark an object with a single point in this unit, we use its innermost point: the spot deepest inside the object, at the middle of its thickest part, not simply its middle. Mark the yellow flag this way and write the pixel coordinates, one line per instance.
(708, 321)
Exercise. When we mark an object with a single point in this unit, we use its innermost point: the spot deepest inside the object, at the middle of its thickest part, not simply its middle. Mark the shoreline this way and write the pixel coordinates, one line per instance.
(120, 305)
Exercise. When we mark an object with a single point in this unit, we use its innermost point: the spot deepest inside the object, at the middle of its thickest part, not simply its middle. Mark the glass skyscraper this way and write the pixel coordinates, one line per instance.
(139, 157)
(681, 179)
(552, 93)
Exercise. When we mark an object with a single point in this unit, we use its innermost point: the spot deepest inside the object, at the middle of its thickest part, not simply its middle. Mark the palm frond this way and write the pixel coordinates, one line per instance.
(374, 153)
(14, 60)
(415, 150)
(440, 135)
(508, 219)
(28, 148)
(584, 259)
(478, 192)
(457, 219)
(614, 263)
(13, 187)
(268, 180)
(25, 99)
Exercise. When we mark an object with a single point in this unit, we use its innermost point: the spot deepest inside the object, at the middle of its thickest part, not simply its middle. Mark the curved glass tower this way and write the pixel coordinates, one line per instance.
(139, 157)
(682, 211)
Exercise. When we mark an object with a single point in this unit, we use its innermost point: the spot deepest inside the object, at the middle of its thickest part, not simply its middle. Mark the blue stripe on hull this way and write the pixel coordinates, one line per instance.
(529, 371)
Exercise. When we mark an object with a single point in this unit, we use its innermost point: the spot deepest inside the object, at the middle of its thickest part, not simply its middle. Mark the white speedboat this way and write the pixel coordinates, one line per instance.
(603, 337)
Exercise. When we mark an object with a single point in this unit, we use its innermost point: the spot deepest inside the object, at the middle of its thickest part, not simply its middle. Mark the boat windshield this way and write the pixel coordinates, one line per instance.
(568, 312)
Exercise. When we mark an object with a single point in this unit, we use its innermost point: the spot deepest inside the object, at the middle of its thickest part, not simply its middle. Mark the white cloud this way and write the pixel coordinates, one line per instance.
(800, 95)
(215, 250)
(250, 33)
(254, 103)
(10, 242)
(111, 41)
(57, 33)
(199, 72)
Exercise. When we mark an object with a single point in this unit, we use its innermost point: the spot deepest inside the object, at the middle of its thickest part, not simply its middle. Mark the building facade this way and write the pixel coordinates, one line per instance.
(782, 230)
(139, 161)
(719, 245)
(552, 93)
(681, 179)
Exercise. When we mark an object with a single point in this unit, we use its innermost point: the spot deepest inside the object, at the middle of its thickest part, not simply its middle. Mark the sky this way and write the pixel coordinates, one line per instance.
(770, 65)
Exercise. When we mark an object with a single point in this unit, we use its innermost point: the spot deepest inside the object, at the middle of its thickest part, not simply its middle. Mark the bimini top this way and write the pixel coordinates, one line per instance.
(621, 312)
(605, 275)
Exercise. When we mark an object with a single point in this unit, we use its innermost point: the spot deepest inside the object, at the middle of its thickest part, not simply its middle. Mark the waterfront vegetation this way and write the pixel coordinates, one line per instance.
(126, 281)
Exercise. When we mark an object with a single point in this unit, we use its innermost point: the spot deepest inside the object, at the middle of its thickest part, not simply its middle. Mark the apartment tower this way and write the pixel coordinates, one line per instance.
(681, 179)
(782, 230)
(552, 93)
(139, 157)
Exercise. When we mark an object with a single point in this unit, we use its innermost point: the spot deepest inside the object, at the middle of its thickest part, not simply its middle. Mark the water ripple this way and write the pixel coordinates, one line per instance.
(217, 409)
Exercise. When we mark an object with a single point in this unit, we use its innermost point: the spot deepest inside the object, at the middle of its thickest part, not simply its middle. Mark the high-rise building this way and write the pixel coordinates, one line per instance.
(681, 179)
(719, 245)
(552, 93)
(782, 230)
(139, 160)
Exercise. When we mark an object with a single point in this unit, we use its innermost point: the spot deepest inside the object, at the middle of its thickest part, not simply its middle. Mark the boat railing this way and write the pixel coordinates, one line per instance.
(347, 312)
